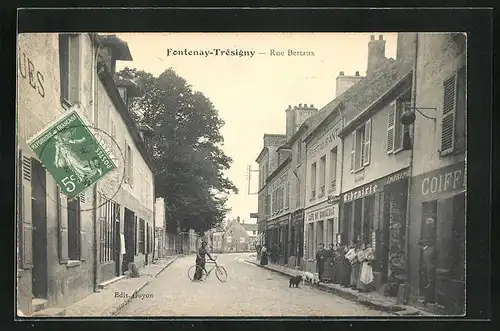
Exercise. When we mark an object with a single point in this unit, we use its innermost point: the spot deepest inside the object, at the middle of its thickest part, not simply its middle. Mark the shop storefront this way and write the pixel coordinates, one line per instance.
(375, 214)
(321, 226)
(296, 237)
(438, 216)
(277, 233)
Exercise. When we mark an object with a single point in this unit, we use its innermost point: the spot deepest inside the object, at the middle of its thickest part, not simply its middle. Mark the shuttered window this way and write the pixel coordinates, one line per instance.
(287, 195)
(69, 65)
(142, 236)
(353, 150)
(391, 127)
(453, 123)
(74, 229)
(109, 213)
(25, 224)
(367, 142)
(448, 119)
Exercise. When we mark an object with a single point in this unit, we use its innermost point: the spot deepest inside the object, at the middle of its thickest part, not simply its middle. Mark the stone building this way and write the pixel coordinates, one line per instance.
(438, 183)
(66, 249)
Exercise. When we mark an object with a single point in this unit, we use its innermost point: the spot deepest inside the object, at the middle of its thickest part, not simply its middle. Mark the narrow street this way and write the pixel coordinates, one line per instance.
(248, 291)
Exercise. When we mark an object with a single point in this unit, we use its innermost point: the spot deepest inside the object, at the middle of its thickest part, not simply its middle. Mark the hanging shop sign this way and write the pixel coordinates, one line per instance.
(322, 214)
(375, 186)
(448, 179)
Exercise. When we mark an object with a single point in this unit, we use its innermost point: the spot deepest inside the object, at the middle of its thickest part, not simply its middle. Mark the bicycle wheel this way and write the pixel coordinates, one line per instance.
(221, 273)
(192, 271)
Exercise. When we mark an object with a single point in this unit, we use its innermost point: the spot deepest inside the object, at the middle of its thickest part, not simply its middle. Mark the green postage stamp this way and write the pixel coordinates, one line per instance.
(73, 155)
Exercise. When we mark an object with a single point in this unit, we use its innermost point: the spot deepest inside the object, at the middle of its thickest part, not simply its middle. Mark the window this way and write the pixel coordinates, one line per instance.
(282, 197)
(297, 194)
(322, 176)
(69, 63)
(396, 129)
(107, 219)
(313, 180)
(266, 204)
(333, 169)
(129, 166)
(361, 146)
(74, 229)
(142, 235)
(454, 108)
(287, 195)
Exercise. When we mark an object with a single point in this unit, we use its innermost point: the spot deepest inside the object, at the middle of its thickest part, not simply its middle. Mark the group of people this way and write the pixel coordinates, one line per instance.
(265, 255)
(350, 266)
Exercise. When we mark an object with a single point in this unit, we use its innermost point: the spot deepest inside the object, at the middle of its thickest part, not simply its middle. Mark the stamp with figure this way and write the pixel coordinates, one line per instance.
(72, 154)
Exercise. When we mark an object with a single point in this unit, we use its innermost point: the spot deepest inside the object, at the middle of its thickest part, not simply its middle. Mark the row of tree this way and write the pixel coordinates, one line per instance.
(186, 149)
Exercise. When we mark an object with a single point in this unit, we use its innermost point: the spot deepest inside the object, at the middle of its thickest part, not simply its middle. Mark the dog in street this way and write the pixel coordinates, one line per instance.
(309, 277)
(295, 281)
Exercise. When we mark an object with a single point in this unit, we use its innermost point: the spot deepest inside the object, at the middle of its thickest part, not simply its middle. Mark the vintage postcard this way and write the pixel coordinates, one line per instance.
(241, 174)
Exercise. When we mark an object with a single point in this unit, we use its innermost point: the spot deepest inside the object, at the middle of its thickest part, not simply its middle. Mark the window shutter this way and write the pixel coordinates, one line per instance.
(136, 226)
(74, 68)
(353, 150)
(26, 225)
(390, 129)
(367, 142)
(84, 244)
(448, 120)
(63, 65)
(63, 226)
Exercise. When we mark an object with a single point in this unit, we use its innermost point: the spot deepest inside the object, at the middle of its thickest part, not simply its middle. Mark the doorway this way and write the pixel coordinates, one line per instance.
(129, 233)
(39, 219)
(428, 232)
(118, 244)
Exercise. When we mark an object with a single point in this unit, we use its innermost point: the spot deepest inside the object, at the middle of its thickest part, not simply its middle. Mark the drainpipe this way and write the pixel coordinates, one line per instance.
(95, 112)
(341, 168)
(410, 170)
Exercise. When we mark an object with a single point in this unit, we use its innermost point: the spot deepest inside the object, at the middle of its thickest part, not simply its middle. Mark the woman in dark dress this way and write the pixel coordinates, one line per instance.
(345, 267)
(263, 255)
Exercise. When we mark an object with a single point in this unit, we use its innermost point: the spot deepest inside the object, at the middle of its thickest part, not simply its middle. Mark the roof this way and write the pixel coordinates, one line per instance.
(249, 226)
(114, 95)
(261, 154)
(406, 79)
(122, 52)
(360, 95)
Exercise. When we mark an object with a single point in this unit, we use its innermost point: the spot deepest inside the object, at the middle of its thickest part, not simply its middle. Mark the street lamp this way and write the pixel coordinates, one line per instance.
(408, 118)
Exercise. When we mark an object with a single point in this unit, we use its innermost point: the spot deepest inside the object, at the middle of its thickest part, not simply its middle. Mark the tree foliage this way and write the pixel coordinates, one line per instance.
(186, 149)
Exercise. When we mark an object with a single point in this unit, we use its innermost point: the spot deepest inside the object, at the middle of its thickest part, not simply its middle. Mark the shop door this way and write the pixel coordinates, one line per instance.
(129, 233)
(428, 232)
(39, 219)
(456, 292)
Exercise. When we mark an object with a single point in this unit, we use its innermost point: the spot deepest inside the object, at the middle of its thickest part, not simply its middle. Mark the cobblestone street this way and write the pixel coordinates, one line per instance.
(248, 291)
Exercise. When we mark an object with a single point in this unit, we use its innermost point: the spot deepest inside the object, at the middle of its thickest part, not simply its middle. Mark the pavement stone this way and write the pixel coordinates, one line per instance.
(371, 299)
(106, 302)
(248, 291)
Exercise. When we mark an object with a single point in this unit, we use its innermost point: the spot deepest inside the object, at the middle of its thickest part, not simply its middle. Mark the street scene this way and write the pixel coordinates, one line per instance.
(335, 189)
(248, 291)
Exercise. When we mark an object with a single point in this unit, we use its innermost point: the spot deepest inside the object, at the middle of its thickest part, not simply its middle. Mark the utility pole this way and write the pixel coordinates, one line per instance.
(249, 178)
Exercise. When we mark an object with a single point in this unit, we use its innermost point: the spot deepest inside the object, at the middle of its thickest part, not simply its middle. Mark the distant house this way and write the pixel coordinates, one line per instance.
(251, 230)
(236, 237)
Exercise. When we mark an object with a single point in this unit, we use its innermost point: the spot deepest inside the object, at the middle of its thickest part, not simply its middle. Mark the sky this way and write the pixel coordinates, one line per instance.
(251, 93)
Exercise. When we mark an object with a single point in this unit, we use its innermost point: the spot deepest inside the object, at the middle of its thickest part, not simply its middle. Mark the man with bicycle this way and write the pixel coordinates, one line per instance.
(200, 260)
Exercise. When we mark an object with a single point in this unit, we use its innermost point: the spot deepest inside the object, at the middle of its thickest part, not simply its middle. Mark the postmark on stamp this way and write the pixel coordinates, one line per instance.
(72, 154)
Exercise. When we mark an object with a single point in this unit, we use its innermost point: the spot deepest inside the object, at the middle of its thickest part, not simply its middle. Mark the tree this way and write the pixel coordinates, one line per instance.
(186, 148)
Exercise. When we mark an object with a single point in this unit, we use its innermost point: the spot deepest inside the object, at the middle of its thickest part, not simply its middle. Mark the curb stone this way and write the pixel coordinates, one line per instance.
(129, 298)
(344, 294)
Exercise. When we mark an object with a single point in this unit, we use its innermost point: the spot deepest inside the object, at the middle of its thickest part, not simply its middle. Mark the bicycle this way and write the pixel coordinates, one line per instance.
(220, 272)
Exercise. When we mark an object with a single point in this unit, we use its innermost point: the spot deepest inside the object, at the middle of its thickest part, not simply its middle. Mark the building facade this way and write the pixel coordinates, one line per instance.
(323, 159)
(438, 184)
(65, 249)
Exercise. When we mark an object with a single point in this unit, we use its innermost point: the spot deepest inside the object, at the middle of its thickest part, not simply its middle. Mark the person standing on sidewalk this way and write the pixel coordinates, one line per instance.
(263, 255)
(321, 257)
(429, 257)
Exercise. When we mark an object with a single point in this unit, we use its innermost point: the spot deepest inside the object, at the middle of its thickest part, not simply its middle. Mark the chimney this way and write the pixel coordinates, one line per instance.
(290, 122)
(345, 82)
(376, 53)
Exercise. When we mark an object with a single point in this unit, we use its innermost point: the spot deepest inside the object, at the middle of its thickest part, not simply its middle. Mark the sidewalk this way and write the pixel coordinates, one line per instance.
(110, 300)
(371, 299)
